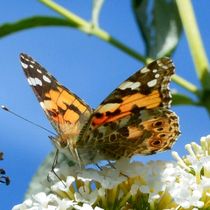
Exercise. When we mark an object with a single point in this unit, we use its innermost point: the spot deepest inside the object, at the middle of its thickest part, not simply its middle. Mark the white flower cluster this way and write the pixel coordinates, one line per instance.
(192, 174)
(157, 184)
(41, 201)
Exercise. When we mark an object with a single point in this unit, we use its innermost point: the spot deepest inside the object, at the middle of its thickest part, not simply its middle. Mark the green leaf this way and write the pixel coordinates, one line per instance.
(160, 25)
(32, 22)
(181, 99)
(97, 5)
(205, 100)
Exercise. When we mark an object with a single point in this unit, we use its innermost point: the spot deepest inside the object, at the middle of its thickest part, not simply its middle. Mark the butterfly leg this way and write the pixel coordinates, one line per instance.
(78, 157)
(112, 166)
(99, 167)
(55, 162)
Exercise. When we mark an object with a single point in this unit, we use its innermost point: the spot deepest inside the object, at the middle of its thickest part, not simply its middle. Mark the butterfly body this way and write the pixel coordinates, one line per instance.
(134, 119)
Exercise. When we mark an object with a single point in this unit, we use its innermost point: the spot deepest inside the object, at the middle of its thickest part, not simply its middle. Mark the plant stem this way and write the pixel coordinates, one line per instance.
(194, 40)
(184, 83)
(88, 28)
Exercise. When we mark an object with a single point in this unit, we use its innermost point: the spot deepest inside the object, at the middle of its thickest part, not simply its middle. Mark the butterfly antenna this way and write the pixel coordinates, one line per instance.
(29, 121)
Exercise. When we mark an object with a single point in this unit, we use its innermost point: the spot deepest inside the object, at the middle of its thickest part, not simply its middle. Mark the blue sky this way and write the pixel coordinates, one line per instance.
(89, 67)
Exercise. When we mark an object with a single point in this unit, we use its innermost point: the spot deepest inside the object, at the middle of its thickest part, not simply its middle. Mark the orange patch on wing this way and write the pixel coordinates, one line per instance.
(65, 98)
(104, 119)
(121, 115)
(98, 121)
(59, 100)
(149, 101)
(80, 106)
(71, 116)
(53, 94)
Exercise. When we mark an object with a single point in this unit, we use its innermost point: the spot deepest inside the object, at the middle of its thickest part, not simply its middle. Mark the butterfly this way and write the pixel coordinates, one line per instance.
(134, 119)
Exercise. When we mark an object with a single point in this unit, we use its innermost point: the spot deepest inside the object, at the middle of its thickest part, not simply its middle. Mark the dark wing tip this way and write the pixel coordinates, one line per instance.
(23, 56)
(25, 60)
(28, 63)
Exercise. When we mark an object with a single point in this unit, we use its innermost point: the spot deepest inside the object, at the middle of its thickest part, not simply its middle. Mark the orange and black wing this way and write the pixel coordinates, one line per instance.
(135, 118)
(63, 108)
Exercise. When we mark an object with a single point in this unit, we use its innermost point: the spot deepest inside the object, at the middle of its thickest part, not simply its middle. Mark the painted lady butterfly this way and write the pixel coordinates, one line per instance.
(134, 119)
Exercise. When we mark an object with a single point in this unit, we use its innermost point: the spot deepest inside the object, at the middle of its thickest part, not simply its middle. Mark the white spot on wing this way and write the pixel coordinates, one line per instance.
(29, 81)
(164, 67)
(31, 66)
(125, 85)
(38, 81)
(144, 70)
(129, 84)
(108, 107)
(42, 105)
(152, 83)
(157, 76)
(22, 56)
(154, 70)
(34, 81)
(24, 65)
(46, 79)
(135, 85)
(39, 71)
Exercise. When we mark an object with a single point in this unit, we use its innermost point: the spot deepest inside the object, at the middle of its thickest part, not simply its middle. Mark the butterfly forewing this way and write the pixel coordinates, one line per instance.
(146, 89)
(63, 108)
